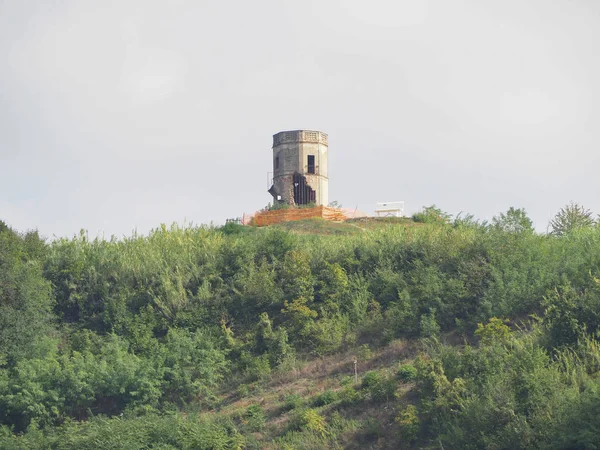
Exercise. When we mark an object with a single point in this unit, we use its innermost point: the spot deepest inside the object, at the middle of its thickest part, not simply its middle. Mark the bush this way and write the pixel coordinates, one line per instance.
(292, 401)
(257, 368)
(409, 424)
(347, 381)
(370, 379)
(254, 418)
(431, 214)
(407, 373)
(349, 395)
(326, 398)
(494, 332)
(243, 390)
(234, 228)
(311, 420)
(429, 326)
(379, 387)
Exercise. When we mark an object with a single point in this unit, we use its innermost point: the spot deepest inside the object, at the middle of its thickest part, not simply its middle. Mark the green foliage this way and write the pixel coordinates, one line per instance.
(408, 424)
(149, 431)
(274, 343)
(326, 398)
(292, 401)
(25, 300)
(193, 365)
(571, 313)
(432, 215)
(428, 325)
(233, 228)
(310, 420)
(370, 379)
(243, 390)
(48, 390)
(494, 332)
(515, 220)
(255, 367)
(380, 387)
(407, 373)
(515, 396)
(254, 418)
(4, 227)
(149, 324)
(349, 394)
(570, 218)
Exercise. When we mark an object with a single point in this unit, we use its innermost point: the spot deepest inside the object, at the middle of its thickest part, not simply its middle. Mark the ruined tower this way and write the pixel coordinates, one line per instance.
(300, 168)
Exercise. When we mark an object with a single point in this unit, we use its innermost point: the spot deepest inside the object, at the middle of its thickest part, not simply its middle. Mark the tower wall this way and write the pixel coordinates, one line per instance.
(298, 179)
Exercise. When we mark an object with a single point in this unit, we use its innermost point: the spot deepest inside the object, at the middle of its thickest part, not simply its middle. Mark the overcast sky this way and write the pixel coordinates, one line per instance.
(121, 115)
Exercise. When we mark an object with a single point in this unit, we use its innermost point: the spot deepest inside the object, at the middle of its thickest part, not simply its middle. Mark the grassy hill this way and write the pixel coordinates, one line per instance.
(465, 335)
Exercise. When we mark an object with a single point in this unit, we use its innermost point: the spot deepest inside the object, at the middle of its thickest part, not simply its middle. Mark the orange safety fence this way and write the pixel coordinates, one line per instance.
(264, 218)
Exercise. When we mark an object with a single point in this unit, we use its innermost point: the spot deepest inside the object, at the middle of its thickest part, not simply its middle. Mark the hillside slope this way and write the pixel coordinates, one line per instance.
(465, 335)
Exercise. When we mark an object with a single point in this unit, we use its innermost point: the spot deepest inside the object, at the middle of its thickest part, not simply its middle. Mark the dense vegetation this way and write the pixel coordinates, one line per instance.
(174, 340)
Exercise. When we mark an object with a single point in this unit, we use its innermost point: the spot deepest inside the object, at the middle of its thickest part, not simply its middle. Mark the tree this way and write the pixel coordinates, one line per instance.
(3, 226)
(570, 218)
(515, 220)
(25, 301)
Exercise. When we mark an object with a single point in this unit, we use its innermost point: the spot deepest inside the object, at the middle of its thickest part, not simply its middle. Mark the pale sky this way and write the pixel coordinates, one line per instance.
(121, 115)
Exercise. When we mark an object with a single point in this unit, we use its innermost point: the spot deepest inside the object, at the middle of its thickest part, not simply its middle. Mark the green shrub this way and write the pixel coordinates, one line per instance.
(370, 379)
(428, 325)
(407, 373)
(408, 423)
(347, 380)
(494, 332)
(384, 390)
(326, 398)
(292, 401)
(254, 418)
(348, 395)
(257, 368)
(243, 390)
(310, 420)
(432, 215)
(234, 228)
(379, 387)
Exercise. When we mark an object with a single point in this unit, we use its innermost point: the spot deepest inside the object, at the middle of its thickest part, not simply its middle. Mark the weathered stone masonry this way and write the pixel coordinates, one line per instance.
(300, 167)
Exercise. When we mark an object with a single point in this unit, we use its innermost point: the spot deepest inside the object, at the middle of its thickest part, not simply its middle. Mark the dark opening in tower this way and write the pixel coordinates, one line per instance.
(311, 164)
(303, 193)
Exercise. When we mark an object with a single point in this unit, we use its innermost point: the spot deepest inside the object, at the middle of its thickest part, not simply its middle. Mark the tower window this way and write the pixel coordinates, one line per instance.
(276, 162)
(311, 164)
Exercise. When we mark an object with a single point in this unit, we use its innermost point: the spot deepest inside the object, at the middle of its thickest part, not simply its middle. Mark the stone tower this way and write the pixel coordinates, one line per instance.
(300, 168)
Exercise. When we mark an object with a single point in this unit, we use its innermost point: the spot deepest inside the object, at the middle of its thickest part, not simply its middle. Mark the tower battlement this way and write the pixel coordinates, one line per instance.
(300, 136)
